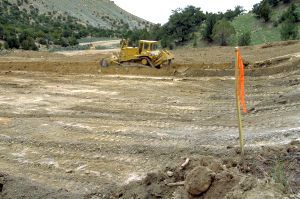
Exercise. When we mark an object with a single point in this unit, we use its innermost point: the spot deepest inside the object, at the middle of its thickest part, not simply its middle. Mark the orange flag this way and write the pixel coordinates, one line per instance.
(241, 85)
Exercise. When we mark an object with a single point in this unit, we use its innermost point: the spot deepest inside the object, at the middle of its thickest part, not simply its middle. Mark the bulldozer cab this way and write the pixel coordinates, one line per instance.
(145, 45)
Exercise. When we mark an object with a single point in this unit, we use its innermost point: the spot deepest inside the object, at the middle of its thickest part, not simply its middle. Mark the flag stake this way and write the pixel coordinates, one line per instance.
(238, 106)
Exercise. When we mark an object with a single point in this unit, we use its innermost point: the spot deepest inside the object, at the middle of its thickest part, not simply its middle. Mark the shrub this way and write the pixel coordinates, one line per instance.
(222, 32)
(1, 32)
(29, 44)
(265, 11)
(245, 39)
(195, 42)
(6, 46)
(13, 42)
(72, 41)
(207, 32)
(274, 3)
(291, 14)
(43, 41)
(262, 10)
(279, 175)
(289, 31)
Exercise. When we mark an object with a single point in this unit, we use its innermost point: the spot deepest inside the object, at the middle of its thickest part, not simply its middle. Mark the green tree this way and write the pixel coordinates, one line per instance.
(265, 10)
(23, 36)
(13, 42)
(209, 26)
(183, 23)
(286, 1)
(1, 32)
(222, 32)
(289, 30)
(64, 42)
(245, 39)
(274, 3)
(291, 14)
(262, 10)
(6, 46)
(195, 40)
(28, 44)
(255, 9)
(231, 14)
(72, 41)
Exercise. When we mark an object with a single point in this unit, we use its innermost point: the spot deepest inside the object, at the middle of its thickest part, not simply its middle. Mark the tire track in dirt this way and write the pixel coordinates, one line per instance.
(100, 131)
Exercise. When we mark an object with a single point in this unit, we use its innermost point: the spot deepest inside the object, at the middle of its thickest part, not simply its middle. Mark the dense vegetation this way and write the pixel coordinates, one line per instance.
(188, 25)
(24, 27)
(27, 28)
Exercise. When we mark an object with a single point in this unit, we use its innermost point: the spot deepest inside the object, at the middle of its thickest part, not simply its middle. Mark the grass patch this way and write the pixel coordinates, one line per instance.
(260, 32)
(279, 175)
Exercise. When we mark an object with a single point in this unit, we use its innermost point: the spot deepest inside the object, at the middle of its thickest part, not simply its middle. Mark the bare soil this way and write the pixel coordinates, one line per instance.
(199, 62)
(70, 130)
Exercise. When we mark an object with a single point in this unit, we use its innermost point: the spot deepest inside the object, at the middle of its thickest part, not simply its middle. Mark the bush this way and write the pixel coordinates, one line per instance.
(13, 42)
(24, 36)
(168, 42)
(6, 46)
(289, 31)
(245, 39)
(64, 42)
(209, 26)
(262, 10)
(43, 41)
(1, 32)
(273, 3)
(195, 42)
(231, 14)
(222, 32)
(72, 41)
(286, 1)
(265, 11)
(291, 14)
(29, 44)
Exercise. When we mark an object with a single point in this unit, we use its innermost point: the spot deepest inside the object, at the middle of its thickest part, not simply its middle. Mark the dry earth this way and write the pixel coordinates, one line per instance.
(82, 135)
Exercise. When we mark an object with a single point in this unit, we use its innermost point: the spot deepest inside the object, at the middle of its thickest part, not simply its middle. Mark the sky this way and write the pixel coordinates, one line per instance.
(158, 11)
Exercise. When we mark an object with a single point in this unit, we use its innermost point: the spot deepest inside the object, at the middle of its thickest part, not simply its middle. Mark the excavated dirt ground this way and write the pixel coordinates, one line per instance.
(82, 135)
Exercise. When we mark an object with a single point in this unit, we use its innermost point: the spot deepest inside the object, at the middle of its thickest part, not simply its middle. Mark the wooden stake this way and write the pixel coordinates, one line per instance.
(238, 106)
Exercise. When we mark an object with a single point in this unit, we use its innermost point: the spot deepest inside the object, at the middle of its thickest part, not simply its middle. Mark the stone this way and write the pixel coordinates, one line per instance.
(170, 173)
(199, 180)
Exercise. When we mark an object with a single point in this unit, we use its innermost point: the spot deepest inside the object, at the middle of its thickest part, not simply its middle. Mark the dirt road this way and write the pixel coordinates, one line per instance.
(87, 133)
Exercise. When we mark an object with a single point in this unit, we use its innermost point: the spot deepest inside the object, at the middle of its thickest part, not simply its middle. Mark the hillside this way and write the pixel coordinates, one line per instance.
(103, 14)
(262, 32)
(33, 25)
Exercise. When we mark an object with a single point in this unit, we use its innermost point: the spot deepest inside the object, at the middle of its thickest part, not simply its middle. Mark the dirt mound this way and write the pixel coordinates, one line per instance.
(271, 173)
(190, 182)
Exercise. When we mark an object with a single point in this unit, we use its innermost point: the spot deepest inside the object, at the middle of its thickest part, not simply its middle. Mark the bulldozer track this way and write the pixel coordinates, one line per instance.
(86, 133)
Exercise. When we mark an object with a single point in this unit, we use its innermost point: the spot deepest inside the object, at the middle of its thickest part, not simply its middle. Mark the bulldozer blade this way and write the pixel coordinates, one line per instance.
(150, 62)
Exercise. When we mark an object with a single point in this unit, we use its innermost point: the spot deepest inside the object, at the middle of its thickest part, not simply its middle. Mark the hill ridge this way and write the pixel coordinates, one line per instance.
(103, 14)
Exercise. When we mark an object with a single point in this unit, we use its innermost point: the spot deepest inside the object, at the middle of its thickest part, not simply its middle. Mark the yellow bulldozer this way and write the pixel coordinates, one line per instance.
(147, 54)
